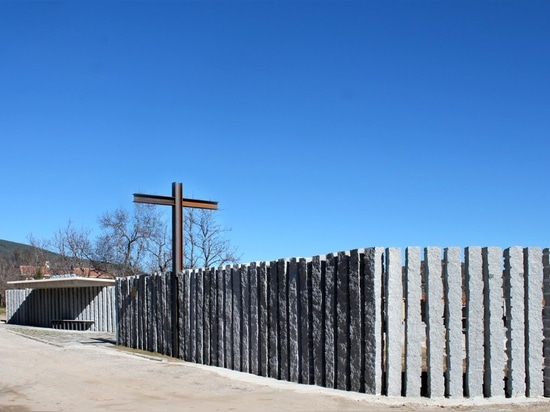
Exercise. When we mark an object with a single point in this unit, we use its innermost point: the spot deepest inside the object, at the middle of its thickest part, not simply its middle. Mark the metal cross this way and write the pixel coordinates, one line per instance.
(178, 203)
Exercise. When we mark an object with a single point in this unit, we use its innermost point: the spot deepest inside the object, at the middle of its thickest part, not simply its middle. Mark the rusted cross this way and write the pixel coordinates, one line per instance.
(178, 203)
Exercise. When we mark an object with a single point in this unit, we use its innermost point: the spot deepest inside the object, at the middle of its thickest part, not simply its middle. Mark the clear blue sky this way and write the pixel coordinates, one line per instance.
(319, 126)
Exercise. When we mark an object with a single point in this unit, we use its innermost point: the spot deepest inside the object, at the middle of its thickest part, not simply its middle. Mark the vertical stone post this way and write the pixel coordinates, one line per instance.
(372, 301)
(317, 315)
(342, 322)
(453, 321)
(228, 316)
(394, 336)
(474, 322)
(305, 343)
(263, 319)
(495, 338)
(533, 321)
(355, 322)
(283, 318)
(546, 319)
(245, 323)
(434, 322)
(330, 320)
(515, 320)
(254, 317)
(273, 321)
(220, 296)
(293, 321)
(237, 316)
(415, 335)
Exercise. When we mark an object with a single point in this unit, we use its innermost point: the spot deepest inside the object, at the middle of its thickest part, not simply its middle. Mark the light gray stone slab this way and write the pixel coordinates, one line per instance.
(200, 316)
(453, 322)
(515, 320)
(546, 319)
(373, 320)
(534, 336)
(414, 328)
(394, 302)
(495, 338)
(475, 322)
(434, 322)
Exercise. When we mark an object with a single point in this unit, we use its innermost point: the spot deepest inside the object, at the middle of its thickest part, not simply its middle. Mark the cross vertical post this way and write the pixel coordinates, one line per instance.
(178, 202)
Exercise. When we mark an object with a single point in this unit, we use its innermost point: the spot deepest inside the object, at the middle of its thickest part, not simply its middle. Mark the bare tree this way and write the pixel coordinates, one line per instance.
(74, 250)
(127, 237)
(205, 242)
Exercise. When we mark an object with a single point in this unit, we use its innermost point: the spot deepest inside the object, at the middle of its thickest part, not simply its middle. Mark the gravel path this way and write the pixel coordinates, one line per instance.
(46, 369)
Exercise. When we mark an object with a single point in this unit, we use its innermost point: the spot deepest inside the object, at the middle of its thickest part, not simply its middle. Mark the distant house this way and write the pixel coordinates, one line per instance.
(45, 272)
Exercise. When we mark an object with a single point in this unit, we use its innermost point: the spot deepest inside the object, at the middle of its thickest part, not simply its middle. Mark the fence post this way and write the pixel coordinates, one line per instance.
(372, 301)
(453, 321)
(546, 320)
(514, 287)
(533, 321)
(415, 335)
(394, 322)
(494, 330)
(434, 322)
(474, 321)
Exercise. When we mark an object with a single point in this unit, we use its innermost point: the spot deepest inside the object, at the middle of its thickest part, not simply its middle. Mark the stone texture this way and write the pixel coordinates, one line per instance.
(495, 356)
(253, 326)
(515, 320)
(434, 322)
(237, 316)
(475, 320)
(305, 335)
(263, 319)
(330, 320)
(394, 316)
(546, 320)
(342, 322)
(245, 319)
(414, 333)
(293, 321)
(356, 377)
(273, 322)
(317, 326)
(373, 320)
(220, 312)
(200, 316)
(453, 322)
(283, 354)
(533, 321)
(228, 316)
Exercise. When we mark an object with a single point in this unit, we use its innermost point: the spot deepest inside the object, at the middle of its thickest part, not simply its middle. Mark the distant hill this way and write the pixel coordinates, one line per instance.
(7, 248)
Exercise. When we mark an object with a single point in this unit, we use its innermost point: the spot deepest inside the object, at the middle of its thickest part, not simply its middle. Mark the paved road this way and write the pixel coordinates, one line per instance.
(45, 369)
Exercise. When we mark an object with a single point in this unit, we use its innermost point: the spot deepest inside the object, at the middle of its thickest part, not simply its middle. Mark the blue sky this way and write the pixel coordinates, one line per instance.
(319, 126)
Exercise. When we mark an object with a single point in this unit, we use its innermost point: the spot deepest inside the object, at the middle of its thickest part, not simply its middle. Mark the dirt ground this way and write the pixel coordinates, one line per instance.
(46, 370)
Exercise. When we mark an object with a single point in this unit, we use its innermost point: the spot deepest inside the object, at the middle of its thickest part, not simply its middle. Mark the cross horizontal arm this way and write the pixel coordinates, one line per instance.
(170, 201)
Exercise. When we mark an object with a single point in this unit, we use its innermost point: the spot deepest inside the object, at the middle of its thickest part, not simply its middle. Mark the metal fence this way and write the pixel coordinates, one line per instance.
(452, 322)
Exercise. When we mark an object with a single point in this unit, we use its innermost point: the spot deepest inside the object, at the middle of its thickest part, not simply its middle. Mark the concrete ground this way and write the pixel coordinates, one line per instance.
(46, 369)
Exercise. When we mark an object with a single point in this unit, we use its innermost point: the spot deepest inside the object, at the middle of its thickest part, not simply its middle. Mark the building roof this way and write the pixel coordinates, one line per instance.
(63, 282)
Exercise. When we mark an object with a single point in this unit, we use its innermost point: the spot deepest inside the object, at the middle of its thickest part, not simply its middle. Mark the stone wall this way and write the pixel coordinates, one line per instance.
(39, 307)
(445, 322)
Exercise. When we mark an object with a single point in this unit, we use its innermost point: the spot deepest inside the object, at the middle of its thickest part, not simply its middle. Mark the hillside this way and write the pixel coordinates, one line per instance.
(7, 248)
